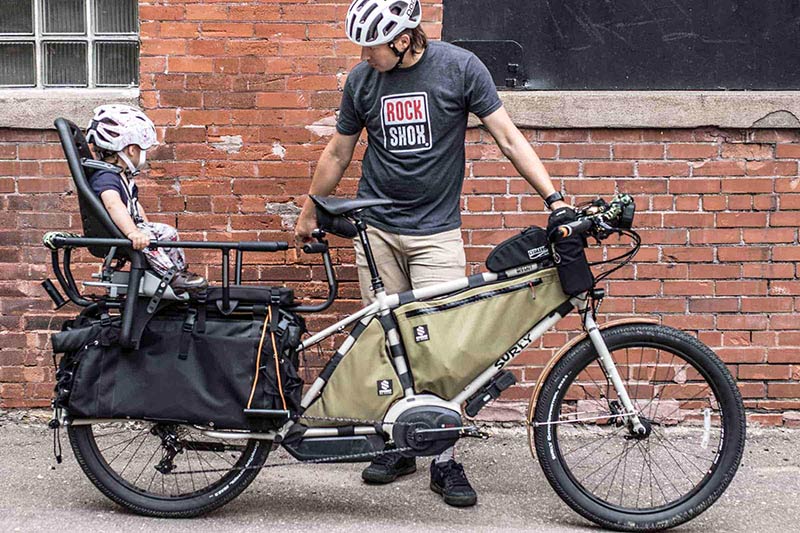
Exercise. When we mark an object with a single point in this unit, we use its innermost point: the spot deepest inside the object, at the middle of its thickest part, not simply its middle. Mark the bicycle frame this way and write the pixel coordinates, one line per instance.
(381, 309)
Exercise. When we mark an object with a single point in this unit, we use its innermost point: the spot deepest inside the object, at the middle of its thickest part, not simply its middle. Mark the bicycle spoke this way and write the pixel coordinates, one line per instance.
(626, 450)
(132, 456)
(191, 476)
(149, 461)
(666, 476)
(685, 455)
(126, 446)
(620, 454)
(622, 486)
(118, 443)
(677, 463)
(598, 439)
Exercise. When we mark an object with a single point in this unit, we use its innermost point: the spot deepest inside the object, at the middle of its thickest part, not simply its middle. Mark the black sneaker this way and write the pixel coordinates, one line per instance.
(188, 282)
(387, 468)
(449, 480)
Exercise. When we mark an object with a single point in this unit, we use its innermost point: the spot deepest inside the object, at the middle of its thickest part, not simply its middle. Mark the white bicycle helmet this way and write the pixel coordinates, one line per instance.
(374, 22)
(115, 126)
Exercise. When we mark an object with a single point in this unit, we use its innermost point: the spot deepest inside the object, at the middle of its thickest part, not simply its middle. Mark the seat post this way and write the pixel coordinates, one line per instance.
(376, 282)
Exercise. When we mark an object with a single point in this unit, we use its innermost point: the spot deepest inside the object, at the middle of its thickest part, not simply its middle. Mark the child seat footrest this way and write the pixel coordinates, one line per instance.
(273, 414)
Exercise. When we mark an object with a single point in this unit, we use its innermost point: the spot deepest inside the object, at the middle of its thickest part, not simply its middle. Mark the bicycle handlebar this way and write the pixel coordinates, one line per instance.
(599, 217)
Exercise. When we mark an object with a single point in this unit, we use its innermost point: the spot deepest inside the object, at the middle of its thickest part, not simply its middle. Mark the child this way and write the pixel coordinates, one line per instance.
(121, 135)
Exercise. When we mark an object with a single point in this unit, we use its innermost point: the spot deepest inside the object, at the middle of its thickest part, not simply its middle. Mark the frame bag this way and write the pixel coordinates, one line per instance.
(451, 340)
(361, 384)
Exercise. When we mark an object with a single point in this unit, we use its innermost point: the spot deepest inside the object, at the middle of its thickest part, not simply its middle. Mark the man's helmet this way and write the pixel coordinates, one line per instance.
(374, 22)
(113, 127)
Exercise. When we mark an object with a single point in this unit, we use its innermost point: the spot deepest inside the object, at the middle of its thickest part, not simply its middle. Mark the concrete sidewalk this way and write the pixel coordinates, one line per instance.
(37, 495)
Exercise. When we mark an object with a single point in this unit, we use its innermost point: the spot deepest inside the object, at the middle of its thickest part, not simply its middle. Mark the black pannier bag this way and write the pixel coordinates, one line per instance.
(530, 246)
(569, 255)
(190, 367)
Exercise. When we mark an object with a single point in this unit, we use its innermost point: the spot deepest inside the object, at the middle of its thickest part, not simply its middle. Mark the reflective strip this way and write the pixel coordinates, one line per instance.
(312, 392)
(476, 298)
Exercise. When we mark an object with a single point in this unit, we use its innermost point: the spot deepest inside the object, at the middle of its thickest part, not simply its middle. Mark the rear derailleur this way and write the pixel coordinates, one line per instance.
(170, 443)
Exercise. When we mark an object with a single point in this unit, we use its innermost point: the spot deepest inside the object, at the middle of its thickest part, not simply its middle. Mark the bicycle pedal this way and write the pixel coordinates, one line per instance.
(475, 432)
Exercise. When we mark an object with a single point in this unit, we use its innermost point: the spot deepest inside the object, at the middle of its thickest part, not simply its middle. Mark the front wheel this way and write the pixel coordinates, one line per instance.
(165, 470)
(688, 404)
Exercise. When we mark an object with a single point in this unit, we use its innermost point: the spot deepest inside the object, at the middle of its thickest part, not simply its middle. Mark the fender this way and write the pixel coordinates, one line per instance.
(557, 357)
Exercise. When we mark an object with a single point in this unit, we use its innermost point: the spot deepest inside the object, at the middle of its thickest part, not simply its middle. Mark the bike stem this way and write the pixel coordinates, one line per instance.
(610, 368)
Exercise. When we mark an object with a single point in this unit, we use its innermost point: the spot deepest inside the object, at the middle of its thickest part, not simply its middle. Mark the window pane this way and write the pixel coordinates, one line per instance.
(65, 64)
(17, 64)
(116, 63)
(116, 16)
(64, 16)
(16, 16)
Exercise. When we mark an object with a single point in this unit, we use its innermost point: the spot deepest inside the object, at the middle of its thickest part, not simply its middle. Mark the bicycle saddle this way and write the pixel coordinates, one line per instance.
(340, 206)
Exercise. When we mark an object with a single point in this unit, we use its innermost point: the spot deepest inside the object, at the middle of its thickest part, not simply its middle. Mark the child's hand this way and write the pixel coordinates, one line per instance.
(139, 239)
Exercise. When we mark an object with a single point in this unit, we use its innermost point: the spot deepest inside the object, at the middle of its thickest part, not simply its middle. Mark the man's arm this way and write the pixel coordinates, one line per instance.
(519, 151)
(330, 168)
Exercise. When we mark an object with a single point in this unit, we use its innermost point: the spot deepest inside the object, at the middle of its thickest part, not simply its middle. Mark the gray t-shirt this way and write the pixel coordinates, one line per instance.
(416, 120)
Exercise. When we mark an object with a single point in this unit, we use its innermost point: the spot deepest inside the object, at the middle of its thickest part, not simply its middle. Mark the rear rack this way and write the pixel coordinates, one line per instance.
(139, 265)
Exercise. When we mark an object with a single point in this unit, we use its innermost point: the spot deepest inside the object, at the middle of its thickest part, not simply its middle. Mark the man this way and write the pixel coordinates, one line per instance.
(414, 98)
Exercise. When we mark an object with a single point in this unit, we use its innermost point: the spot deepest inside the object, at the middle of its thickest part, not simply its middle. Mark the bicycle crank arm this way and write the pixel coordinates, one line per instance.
(429, 435)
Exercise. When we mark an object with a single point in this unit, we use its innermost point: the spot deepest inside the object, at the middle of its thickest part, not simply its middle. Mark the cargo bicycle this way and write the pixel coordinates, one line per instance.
(173, 402)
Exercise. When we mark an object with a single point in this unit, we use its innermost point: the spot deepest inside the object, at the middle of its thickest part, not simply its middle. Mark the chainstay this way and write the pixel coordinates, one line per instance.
(320, 460)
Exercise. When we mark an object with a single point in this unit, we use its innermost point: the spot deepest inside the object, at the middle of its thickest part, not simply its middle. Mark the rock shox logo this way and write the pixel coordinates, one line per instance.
(385, 387)
(406, 122)
(421, 333)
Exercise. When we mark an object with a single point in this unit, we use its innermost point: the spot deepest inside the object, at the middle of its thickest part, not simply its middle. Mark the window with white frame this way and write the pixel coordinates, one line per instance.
(69, 43)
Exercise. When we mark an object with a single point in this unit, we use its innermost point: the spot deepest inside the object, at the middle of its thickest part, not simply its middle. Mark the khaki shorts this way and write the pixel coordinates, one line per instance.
(408, 262)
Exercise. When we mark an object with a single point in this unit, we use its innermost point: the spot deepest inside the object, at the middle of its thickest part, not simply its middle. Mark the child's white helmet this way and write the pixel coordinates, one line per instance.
(115, 126)
(374, 22)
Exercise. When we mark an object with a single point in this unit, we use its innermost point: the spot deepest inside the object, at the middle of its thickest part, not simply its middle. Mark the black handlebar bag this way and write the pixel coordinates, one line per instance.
(569, 255)
(185, 370)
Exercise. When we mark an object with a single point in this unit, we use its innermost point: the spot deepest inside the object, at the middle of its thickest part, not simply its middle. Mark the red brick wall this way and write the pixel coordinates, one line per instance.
(243, 96)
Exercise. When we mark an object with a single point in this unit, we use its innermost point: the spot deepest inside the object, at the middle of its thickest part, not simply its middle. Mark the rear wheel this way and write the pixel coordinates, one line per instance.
(165, 470)
(694, 420)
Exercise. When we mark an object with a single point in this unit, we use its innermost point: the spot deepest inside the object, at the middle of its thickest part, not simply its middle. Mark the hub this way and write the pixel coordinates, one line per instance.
(643, 432)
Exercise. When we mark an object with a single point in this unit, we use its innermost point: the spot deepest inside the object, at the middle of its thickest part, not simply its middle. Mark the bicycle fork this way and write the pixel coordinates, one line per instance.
(629, 416)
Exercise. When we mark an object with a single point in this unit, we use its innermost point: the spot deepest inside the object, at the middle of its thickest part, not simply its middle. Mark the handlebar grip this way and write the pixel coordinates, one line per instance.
(579, 226)
(315, 248)
(257, 246)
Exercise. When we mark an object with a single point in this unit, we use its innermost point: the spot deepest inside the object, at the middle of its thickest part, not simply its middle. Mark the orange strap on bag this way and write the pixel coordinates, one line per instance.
(267, 320)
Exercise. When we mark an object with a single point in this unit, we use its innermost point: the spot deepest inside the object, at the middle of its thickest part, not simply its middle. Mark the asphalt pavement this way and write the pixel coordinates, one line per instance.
(38, 495)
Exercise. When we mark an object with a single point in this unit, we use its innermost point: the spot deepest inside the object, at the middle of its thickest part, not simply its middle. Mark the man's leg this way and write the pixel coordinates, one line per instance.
(436, 259)
(393, 269)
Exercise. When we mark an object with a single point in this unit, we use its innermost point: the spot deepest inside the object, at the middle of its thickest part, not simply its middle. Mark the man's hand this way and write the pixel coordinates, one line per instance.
(140, 240)
(306, 223)
(559, 204)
